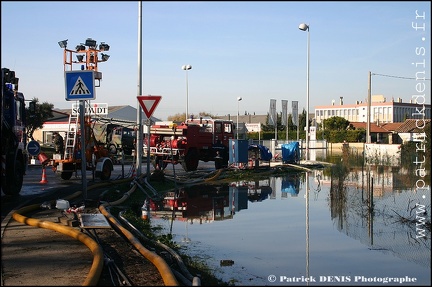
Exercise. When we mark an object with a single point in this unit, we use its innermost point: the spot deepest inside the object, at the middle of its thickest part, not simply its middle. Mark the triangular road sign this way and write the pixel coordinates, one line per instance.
(149, 104)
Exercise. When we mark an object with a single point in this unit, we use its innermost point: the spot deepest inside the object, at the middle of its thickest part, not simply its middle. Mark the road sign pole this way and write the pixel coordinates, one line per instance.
(148, 149)
(148, 104)
(83, 155)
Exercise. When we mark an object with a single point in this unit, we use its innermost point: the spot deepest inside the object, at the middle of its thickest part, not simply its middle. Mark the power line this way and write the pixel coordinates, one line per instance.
(405, 78)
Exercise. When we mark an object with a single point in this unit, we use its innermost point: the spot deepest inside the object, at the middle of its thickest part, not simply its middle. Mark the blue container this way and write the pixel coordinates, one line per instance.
(238, 151)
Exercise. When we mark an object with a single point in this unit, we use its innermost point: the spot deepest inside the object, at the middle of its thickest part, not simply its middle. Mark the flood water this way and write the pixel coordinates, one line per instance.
(308, 228)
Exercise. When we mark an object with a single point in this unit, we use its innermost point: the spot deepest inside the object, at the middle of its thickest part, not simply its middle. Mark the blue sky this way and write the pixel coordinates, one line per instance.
(252, 50)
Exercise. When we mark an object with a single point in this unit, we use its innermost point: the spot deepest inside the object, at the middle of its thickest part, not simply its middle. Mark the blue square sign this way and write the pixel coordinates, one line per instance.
(79, 85)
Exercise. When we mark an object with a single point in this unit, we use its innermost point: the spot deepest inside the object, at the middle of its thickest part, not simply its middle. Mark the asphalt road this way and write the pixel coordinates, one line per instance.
(40, 257)
(37, 184)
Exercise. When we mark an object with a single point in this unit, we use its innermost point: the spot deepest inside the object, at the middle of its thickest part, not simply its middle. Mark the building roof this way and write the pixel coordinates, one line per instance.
(117, 113)
(391, 126)
(59, 116)
(374, 128)
(410, 126)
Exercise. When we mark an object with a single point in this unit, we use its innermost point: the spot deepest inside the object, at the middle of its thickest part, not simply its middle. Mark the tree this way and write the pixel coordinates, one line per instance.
(290, 123)
(35, 119)
(302, 120)
(177, 117)
(428, 142)
(205, 115)
(181, 117)
(270, 126)
(336, 123)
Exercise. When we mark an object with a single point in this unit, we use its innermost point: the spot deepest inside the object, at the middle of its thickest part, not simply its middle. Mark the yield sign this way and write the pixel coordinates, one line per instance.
(149, 104)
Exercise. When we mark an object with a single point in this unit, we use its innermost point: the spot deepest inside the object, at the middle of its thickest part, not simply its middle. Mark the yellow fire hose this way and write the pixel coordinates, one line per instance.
(98, 256)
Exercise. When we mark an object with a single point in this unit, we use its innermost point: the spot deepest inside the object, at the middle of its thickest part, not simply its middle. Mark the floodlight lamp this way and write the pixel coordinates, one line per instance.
(90, 42)
(63, 44)
(80, 58)
(239, 99)
(105, 57)
(80, 47)
(186, 67)
(103, 46)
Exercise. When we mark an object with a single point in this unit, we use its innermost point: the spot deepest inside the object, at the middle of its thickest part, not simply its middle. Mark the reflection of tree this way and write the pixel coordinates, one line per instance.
(339, 173)
(386, 221)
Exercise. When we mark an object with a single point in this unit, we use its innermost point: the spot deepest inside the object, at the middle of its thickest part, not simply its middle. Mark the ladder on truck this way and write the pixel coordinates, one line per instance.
(71, 136)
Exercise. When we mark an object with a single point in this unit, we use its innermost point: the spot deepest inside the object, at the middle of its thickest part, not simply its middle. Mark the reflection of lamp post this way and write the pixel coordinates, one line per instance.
(238, 112)
(307, 222)
(305, 27)
(186, 238)
(186, 68)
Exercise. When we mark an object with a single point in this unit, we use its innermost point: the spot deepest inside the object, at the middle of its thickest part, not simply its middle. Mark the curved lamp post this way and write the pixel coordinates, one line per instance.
(238, 112)
(186, 68)
(305, 27)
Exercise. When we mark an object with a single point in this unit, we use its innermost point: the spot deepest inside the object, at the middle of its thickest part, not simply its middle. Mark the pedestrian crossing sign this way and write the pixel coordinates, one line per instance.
(80, 85)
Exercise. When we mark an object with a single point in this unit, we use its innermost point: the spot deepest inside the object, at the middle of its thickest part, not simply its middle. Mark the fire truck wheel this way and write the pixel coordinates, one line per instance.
(191, 160)
(218, 163)
(66, 175)
(14, 180)
(222, 160)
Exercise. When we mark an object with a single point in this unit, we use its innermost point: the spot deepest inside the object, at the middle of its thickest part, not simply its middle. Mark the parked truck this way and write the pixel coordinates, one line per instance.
(190, 142)
(14, 157)
(96, 155)
(118, 136)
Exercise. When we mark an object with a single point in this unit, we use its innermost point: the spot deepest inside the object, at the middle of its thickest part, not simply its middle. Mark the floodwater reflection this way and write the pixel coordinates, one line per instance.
(353, 223)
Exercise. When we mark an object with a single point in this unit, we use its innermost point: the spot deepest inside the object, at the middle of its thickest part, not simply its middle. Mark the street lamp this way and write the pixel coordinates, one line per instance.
(238, 112)
(186, 68)
(305, 27)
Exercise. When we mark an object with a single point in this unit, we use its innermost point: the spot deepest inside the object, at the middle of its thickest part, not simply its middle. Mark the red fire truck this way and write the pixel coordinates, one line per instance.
(190, 142)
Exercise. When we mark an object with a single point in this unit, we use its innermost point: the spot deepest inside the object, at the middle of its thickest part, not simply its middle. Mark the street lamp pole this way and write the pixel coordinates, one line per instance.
(305, 27)
(186, 68)
(238, 112)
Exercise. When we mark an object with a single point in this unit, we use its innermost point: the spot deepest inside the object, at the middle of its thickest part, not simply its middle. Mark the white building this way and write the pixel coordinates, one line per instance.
(381, 111)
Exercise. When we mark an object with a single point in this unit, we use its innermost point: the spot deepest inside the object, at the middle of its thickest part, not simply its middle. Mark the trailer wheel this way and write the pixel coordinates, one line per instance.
(191, 160)
(66, 175)
(159, 163)
(106, 170)
(112, 149)
(13, 182)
